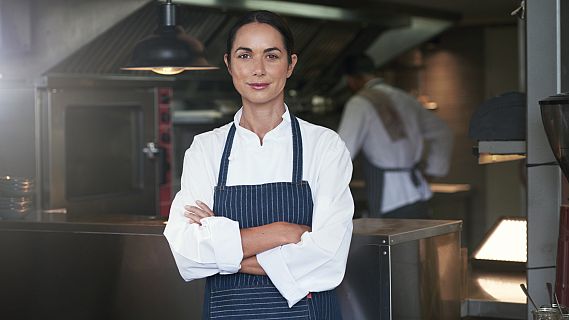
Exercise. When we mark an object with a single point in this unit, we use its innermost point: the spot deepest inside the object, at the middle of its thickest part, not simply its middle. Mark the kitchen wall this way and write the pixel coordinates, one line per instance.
(57, 29)
(54, 30)
(458, 70)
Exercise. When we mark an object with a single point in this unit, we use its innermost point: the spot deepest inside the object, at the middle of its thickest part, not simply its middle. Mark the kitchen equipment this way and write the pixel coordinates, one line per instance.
(555, 117)
(546, 313)
(17, 197)
(99, 150)
(165, 144)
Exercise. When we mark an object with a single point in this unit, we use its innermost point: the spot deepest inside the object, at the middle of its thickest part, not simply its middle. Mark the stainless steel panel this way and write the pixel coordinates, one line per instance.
(67, 275)
(544, 182)
(403, 269)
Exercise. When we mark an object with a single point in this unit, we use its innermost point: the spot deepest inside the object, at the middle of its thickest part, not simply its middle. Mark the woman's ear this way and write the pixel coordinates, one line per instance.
(227, 63)
(291, 65)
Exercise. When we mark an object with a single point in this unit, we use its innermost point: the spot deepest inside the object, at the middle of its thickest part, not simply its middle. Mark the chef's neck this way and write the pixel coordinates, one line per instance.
(261, 120)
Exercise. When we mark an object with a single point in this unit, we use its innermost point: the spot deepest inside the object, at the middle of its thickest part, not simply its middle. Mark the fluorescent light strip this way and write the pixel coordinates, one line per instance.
(283, 7)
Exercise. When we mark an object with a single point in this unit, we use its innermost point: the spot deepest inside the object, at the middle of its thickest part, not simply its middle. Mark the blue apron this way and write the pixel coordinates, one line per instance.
(245, 296)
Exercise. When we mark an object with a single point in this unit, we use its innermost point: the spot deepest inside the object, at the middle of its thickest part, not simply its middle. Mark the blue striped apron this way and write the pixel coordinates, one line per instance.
(245, 296)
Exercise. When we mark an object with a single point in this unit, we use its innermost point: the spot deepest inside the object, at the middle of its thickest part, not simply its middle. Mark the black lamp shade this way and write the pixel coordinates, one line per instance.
(169, 50)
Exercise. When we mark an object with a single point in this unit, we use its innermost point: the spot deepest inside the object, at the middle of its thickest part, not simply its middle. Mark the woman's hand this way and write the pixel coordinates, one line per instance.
(262, 238)
(196, 213)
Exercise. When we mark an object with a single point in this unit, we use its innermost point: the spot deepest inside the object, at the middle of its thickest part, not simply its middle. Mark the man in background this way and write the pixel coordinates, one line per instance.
(404, 145)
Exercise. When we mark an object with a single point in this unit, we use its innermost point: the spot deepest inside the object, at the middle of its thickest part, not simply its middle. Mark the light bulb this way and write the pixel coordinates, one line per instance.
(168, 70)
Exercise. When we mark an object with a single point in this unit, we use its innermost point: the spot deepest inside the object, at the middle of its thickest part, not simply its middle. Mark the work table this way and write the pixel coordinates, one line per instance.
(120, 267)
(101, 223)
(393, 230)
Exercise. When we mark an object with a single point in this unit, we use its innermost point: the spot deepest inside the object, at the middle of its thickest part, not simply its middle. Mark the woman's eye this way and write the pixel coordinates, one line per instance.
(244, 56)
(272, 56)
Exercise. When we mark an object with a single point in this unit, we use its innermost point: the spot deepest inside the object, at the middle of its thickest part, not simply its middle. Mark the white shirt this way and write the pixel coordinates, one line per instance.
(362, 129)
(318, 261)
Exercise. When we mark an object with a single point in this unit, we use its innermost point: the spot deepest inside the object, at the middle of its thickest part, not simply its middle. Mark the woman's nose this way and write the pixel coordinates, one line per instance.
(259, 67)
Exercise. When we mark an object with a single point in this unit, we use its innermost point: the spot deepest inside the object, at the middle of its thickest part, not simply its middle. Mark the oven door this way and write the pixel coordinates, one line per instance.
(98, 150)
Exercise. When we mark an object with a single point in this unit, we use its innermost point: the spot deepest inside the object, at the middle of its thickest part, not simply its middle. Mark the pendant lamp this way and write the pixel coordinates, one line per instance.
(169, 50)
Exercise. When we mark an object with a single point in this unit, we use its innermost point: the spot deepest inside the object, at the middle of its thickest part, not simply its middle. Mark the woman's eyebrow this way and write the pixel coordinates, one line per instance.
(272, 49)
(251, 50)
(244, 49)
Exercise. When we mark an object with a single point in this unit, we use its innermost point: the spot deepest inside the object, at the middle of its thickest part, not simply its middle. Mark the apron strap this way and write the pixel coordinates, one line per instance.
(296, 157)
(296, 150)
(414, 173)
(224, 166)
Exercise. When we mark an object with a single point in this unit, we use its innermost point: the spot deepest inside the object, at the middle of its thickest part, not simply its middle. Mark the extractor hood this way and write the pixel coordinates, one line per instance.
(324, 35)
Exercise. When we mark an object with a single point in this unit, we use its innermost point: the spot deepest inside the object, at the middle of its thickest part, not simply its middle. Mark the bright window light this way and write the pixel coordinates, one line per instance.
(506, 241)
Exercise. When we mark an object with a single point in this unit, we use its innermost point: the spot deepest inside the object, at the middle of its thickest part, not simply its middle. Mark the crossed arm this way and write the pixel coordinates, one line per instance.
(253, 240)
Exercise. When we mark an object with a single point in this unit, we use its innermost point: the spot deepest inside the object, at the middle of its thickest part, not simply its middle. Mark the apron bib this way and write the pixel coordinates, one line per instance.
(245, 296)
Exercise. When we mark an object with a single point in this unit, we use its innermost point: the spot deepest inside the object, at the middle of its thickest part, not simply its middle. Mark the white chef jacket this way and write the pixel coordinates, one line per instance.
(318, 261)
(362, 129)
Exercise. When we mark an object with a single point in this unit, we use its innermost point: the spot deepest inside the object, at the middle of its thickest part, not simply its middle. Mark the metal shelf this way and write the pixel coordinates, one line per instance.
(499, 151)
(502, 147)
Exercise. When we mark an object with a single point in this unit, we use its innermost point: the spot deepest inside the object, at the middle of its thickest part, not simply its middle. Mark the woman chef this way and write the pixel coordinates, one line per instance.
(275, 244)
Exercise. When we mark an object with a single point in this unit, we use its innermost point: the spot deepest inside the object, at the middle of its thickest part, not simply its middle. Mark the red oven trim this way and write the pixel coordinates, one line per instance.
(164, 97)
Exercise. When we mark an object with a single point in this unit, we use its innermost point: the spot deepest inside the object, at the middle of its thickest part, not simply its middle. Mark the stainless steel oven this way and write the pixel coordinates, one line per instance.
(98, 144)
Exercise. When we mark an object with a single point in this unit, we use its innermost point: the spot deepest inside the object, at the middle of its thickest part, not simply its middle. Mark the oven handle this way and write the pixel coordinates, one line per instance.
(150, 150)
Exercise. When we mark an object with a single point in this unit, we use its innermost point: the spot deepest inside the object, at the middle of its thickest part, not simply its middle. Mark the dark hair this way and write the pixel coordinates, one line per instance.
(358, 64)
(267, 17)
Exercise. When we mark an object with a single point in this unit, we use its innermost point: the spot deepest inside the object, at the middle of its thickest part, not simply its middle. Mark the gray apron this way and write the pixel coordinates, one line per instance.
(375, 183)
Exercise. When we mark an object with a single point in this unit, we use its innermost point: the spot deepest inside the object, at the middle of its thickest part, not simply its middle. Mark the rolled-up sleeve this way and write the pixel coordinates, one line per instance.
(318, 262)
(215, 246)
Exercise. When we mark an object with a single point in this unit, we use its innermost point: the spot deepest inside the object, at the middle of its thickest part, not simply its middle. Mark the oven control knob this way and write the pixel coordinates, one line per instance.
(165, 117)
(165, 137)
(165, 98)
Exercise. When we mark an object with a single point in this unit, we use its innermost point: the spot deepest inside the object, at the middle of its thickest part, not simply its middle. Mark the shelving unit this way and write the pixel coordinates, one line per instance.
(499, 151)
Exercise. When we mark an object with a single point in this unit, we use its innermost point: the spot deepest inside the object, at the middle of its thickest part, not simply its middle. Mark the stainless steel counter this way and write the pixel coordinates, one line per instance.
(396, 231)
(101, 223)
(120, 267)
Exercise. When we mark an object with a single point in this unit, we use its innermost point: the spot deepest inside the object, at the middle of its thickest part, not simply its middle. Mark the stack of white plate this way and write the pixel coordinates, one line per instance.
(16, 197)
